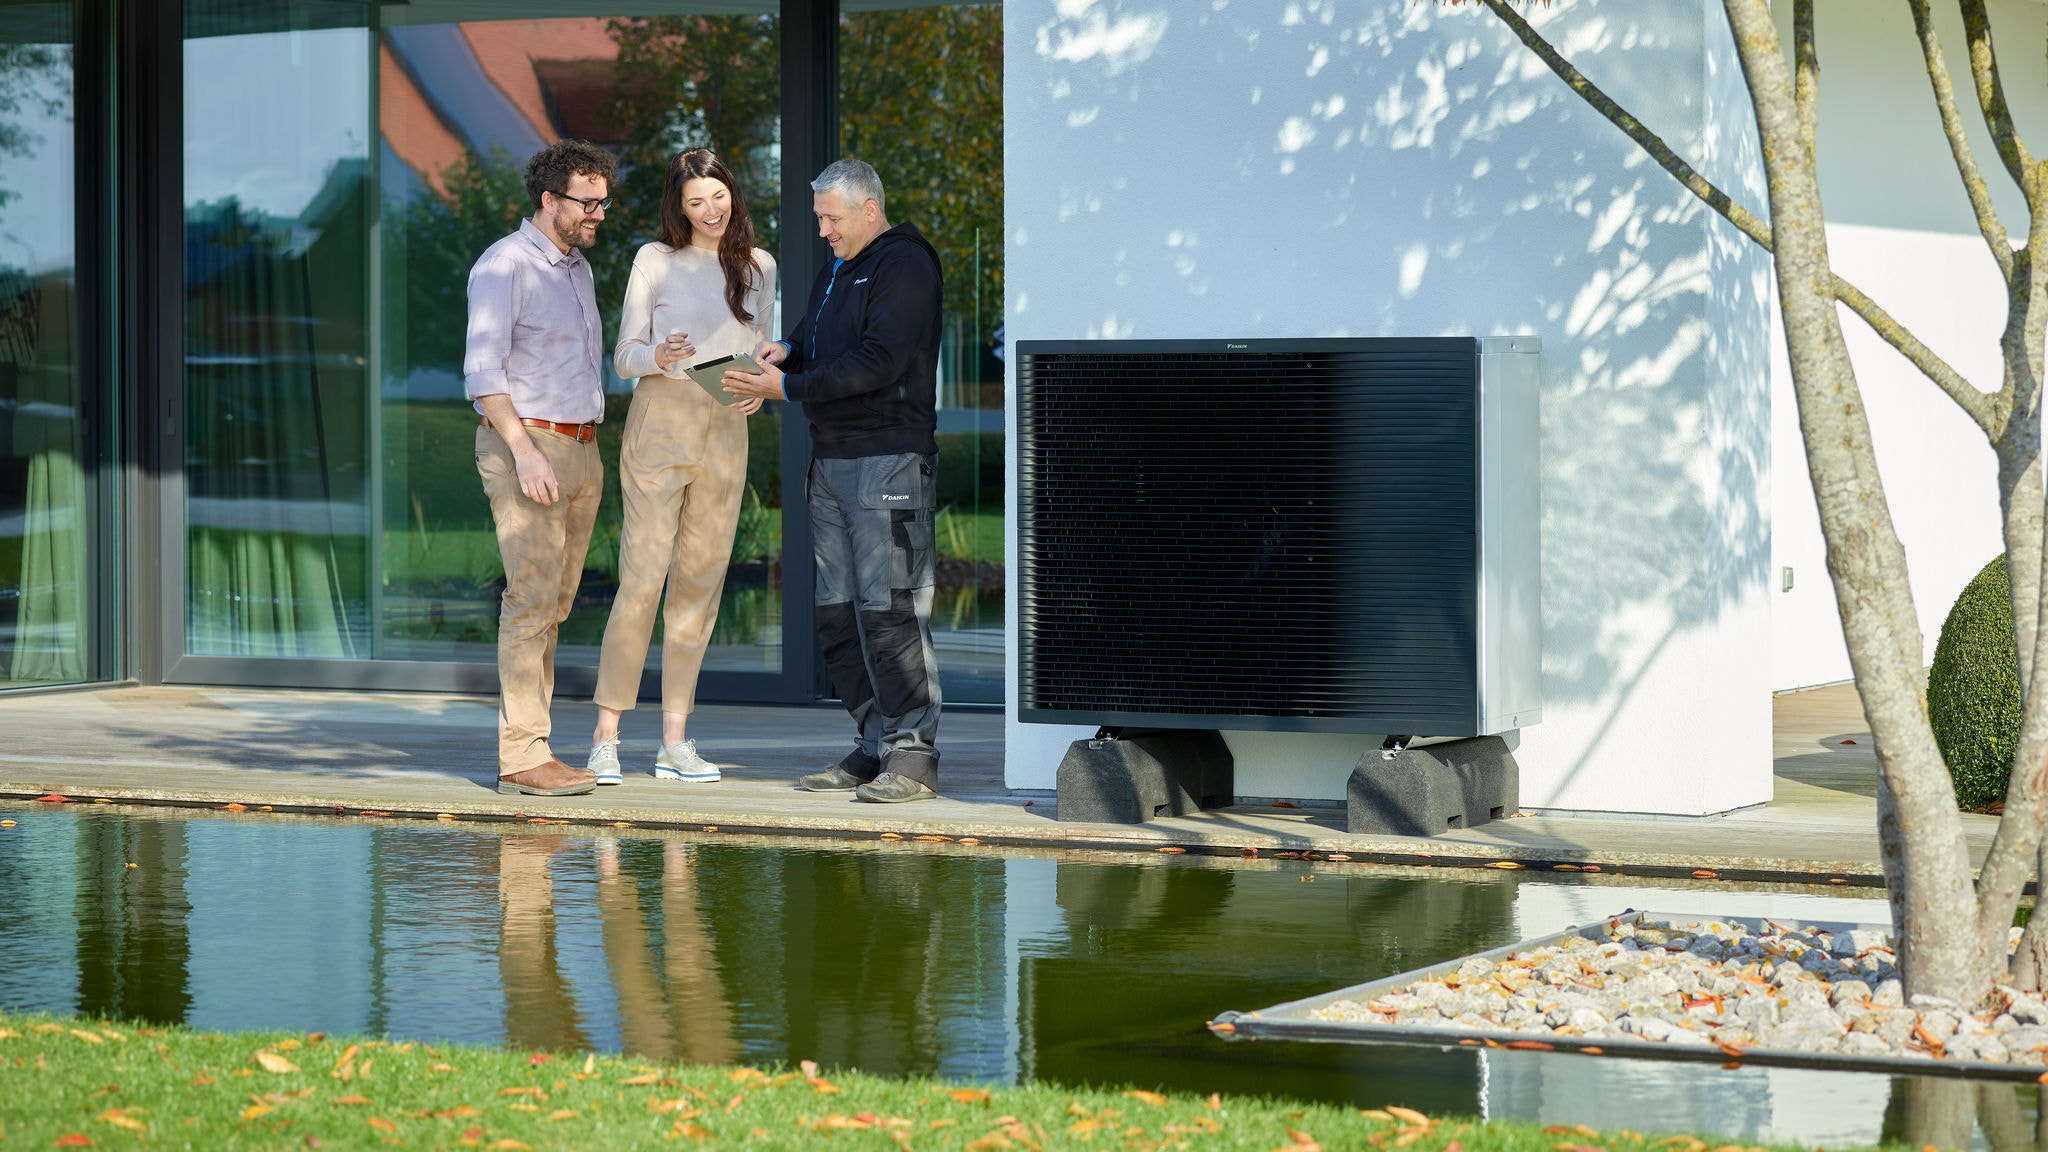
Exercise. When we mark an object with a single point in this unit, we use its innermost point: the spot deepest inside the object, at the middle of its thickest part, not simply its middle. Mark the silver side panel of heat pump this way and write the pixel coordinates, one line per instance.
(1510, 535)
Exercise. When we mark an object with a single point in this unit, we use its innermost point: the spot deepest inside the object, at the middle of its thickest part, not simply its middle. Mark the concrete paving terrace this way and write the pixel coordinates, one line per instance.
(411, 755)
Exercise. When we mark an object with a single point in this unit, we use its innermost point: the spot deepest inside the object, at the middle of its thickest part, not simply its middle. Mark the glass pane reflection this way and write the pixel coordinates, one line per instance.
(44, 511)
(921, 98)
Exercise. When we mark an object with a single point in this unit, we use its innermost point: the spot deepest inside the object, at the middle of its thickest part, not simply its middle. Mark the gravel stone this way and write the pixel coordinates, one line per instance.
(1716, 983)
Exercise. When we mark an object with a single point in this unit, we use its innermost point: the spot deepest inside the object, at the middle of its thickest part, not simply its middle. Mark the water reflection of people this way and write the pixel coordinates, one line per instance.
(539, 1010)
(674, 1008)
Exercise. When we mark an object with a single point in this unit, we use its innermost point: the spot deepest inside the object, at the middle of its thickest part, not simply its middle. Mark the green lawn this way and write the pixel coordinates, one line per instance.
(83, 1083)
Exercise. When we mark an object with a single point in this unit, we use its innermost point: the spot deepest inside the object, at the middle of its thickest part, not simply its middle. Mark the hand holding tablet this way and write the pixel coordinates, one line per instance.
(710, 375)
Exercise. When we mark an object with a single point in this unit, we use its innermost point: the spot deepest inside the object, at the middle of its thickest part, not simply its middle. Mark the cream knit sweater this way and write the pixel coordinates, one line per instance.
(683, 290)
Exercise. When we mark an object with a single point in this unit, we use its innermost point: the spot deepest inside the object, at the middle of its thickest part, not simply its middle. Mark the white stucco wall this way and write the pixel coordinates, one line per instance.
(1381, 167)
(1901, 229)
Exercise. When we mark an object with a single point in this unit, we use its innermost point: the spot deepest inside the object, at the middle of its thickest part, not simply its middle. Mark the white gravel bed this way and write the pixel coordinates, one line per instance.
(1716, 985)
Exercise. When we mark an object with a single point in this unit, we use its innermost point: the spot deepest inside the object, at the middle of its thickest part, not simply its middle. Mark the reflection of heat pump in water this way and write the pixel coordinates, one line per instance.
(1302, 535)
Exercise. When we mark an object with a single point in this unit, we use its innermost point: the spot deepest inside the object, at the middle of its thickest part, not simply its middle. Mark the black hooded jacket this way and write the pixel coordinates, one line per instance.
(864, 360)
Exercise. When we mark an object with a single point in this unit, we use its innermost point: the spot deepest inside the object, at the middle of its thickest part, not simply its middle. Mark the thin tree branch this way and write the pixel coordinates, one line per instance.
(1959, 140)
(1806, 76)
(1977, 404)
(1991, 96)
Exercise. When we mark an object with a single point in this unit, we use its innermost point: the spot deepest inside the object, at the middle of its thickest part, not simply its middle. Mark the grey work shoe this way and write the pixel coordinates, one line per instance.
(853, 770)
(889, 788)
(604, 762)
(679, 761)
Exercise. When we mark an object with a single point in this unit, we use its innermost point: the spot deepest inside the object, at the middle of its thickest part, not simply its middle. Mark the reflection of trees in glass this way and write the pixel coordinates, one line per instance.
(442, 239)
(921, 99)
(32, 77)
(697, 82)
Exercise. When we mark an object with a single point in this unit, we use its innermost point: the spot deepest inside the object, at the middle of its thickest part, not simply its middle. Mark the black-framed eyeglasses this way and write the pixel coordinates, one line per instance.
(588, 206)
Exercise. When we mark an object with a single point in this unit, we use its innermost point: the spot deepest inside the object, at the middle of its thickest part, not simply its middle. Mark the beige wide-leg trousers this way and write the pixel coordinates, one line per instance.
(543, 549)
(682, 471)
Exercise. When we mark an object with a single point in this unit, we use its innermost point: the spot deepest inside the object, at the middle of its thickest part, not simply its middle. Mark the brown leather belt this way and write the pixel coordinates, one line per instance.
(583, 432)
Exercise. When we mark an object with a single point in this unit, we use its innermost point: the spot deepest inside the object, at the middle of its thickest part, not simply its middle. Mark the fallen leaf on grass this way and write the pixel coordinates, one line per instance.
(1301, 1142)
(201, 1080)
(993, 1142)
(48, 1029)
(1084, 1129)
(272, 1062)
(524, 1107)
(72, 1140)
(746, 1075)
(119, 1118)
(257, 1111)
(351, 1099)
(9, 1034)
(1409, 1115)
(88, 1037)
(561, 1114)
(970, 1095)
(1152, 1098)
(945, 1122)
(863, 1121)
(538, 1059)
(459, 1112)
(510, 1146)
(689, 1132)
(642, 1080)
(523, 1091)
(1578, 1148)
(589, 1063)
(381, 1124)
(677, 1105)
(1376, 1114)
(1215, 1101)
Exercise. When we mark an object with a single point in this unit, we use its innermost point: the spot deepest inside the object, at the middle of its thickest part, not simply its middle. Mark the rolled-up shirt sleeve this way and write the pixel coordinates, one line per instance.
(488, 343)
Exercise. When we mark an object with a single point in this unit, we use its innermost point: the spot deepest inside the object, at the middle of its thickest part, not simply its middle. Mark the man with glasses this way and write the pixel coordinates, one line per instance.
(533, 366)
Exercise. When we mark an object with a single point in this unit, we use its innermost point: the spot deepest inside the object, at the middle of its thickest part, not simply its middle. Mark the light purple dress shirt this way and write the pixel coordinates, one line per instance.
(533, 330)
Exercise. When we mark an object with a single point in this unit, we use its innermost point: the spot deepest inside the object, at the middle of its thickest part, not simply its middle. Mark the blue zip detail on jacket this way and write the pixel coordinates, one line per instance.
(829, 282)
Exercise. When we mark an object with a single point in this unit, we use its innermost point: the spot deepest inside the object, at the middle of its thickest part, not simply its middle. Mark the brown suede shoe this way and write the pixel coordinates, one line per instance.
(553, 778)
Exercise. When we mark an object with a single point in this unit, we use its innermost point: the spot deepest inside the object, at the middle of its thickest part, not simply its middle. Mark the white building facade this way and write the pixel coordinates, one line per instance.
(1381, 167)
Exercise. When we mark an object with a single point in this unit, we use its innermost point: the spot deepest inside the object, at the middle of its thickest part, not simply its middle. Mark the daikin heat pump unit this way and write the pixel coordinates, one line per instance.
(1310, 535)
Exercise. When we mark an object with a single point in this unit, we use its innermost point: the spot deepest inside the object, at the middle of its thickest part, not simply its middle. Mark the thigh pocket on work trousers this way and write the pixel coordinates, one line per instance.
(904, 487)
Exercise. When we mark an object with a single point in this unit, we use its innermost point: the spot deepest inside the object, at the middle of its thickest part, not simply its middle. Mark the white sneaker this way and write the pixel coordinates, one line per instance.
(604, 762)
(679, 761)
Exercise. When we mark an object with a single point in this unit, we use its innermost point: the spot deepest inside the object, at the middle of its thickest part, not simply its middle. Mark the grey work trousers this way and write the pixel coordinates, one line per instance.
(871, 536)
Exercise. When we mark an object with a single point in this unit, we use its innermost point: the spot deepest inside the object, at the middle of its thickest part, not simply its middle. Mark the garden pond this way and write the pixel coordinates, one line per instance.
(896, 958)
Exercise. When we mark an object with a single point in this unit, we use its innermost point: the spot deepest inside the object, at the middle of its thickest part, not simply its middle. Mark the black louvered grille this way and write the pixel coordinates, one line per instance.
(1278, 534)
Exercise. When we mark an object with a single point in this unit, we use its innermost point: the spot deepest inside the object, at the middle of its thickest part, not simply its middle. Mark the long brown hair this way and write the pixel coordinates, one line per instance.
(736, 247)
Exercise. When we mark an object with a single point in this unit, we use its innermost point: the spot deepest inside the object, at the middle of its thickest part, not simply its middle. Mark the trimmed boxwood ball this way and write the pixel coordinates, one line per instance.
(1973, 690)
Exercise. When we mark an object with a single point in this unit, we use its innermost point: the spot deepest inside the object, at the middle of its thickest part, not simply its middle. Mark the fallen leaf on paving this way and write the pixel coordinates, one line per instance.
(969, 840)
(1152, 1098)
(88, 1037)
(255, 1111)
(970, 1095)
(560, 1114)
(1171, 850)
(56, 798)
(444, 815)
(234, 807)
(1337, 856)
(351, 1099)
(648, 1078)
(1409, 1115)
(272, 1062)
(381, 1124)
(889, 836)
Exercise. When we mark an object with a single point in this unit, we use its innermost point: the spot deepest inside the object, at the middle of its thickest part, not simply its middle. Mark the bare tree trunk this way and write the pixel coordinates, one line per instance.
(1926, 1112)
(1927, 867)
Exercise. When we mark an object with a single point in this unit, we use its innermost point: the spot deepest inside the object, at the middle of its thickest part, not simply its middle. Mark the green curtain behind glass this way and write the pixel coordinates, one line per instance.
(265, 577)
(35, 341)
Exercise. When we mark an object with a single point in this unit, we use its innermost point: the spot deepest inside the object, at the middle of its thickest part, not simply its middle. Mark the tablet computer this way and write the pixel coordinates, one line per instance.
(710, 375)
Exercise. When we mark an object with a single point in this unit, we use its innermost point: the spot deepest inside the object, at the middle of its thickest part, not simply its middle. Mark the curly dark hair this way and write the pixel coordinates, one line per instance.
(552, 166)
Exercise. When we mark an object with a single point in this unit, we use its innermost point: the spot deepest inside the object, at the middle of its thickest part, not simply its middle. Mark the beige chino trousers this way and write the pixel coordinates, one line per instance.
(682, 471)
(543, 548)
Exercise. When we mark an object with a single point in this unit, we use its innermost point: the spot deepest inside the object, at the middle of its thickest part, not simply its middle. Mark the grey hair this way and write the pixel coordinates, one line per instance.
(856, 182)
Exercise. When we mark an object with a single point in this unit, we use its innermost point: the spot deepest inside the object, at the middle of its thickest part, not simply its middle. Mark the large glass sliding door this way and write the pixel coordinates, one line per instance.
(461, 104)
(921, 99)
(48, 446)
(331, 502)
